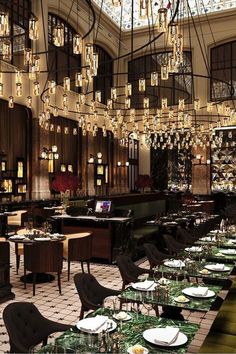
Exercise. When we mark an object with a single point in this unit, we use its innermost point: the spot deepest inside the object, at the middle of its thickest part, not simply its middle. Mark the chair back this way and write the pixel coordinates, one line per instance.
(40, 257)
(154, 256)
(80, 248)
(128, 270)
(172, 245)
(88, 289)
(24, 324)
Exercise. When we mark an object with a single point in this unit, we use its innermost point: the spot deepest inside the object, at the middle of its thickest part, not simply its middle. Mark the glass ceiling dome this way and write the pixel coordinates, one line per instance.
(198, 7)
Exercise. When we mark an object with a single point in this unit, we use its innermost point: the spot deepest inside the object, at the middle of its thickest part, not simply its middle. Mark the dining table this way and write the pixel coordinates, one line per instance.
(124, 335)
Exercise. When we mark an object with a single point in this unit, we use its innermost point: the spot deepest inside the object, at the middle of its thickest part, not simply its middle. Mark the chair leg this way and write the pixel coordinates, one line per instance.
(82, 266)
(68, 276)
(59, 281)
(17, 263)
(88, 264)
(34, 283)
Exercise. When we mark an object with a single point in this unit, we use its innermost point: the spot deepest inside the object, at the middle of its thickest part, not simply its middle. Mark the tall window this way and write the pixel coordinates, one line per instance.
(223, 67)
(19, 13)
(103, 81)
(178, 85)
(133, 162)
(62, 61)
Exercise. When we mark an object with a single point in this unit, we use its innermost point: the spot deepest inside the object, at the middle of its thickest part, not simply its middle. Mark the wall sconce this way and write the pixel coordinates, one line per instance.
(119, 164)
(95, 159)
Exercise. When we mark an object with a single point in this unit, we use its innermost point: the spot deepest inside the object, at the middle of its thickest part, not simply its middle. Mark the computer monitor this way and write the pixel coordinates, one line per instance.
(103, 206)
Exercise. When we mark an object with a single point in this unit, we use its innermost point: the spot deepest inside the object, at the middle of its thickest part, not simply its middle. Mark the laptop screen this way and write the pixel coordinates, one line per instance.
(103, 206)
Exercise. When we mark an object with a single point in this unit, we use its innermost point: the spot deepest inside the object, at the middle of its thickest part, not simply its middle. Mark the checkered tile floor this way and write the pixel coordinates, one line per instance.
(66, 307)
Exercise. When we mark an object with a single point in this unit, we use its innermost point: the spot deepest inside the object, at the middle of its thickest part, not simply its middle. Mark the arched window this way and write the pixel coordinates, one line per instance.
(19, 12)
(103, 81)
(223, 67)
(179, 85)
(62, 61)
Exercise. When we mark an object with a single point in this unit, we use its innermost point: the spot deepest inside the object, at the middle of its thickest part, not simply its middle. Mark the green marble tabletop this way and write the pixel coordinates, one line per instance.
(219, 255)
(126, 335)
(174, 290)
(194, 269)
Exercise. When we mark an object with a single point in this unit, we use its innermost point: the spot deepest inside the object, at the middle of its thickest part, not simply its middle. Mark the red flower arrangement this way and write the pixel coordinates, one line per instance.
(65, 181)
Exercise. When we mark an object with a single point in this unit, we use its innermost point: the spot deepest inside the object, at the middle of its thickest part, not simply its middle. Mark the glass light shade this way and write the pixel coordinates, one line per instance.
(88, 52)
(36, 62)
(54, 148)
(19, 90)
(77, 44)
(146, 102)
(116, 3)
(6, 50)
(81, 98)
(55, 112)
(197, 104)
(127, 103)
(113, 93)
(1, 89)
(99, 155)
(58, 35)
(172, 64)
(164, 103)
(171, 113)
(29, 102)
(65, 100)
(118, 163)
(11, 102)
(109, 104)
(63, 167)
(94, 63)
(52, 87)
(132, 113)
(128, 89)
(181, 104)
(143, 8)
(66, 83)
(56, 156)
(173, 31)
(28, 56)
(154, 78)
(32, 72)
(162, 22)
(47, 101)
(98, 96)
(142, 85)
(77, 106)
(1, 77)
(227, 110)
(33, 28)
(164, 72)
(4, 24)
(88, 76)
(18, 77)
(36, 88)
(78, 80)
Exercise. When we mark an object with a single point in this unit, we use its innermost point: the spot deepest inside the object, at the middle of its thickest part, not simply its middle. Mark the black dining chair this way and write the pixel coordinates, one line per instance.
(154, 256)
(27, 327)
(129, 271)
(91, 292)
(173, 246)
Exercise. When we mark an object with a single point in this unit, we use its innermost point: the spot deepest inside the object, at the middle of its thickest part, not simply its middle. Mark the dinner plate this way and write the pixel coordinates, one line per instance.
(150, 285)
(130, 351)
(127, 318)
(104, 327)
(150, 335)
(17, 237)
(174, 264)
(42, 239)
(189, 292)
(212, 267)
(229, 252)
(181, 301)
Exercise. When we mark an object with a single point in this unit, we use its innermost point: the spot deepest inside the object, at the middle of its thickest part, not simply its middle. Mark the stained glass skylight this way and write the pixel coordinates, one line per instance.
(198, 7)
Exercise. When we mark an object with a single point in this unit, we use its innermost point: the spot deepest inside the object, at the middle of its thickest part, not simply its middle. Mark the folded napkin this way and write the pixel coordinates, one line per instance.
(166, 336)
(175, 263)
(93, 325)
(218, 266)
(194, 249)
(145, 285)
(200, 291)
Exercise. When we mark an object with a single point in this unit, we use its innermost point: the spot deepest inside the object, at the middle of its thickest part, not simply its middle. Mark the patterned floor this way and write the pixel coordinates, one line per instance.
(66, 307)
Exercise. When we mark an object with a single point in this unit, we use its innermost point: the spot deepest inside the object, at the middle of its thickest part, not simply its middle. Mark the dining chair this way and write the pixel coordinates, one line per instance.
(78, 248)
(184, 236)
(129, 271)
(173, 246)
(27, 327)
(154, 256)
(42, 257)
(91, 292)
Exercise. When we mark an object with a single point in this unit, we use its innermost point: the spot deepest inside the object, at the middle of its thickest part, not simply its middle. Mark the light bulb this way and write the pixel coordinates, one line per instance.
(143, 8)
(66, 83)
(6, 50)
(4, 24)
(113, 93)
(78, 80)
(196, 104)
(128, 89)
(58, 35)
(88, 52)
(28, 56)
(164, 72)
(18, 77)
(142, 84)
(146, 102)
(33, 28)
(11, 102)
(77, 44)
(162, 20)
(1, 89)
(29, 102)
(98, 96)
(127, 103)
(52, 87)
(154, 78)
(19, 90)
(36, 88)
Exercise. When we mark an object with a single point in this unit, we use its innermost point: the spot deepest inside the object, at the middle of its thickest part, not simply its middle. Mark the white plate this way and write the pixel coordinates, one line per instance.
(193, 249)
(150, 285)
(174, 264)
(130, 351)
(189, 292)
(181, 301)
(229, 252)
(127, 318)
(42, 239)
(212, 267)
(17, 237)
(87, 321)
(150, 336)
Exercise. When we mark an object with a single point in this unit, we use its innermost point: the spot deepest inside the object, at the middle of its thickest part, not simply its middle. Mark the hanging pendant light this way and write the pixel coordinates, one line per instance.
(162, 20)
(36, 63)
(109, 103)
(81, 98)
(29, 102)
(6, 50)
(141, 85)
(164, 104)
(66, 83)
(197, 104)
(58, 35)
(154, 78)
(52, 87)
(173, 31)
(113, 93)
(143, 8)
(36, 88)
(116, 3)
(11, 102)
(55, 112)
(1, 89)
(18, 77)
(77, 44)
(78, 80)
(181, 104)
(98, 96)
(128, 89)
(210, 107)
(32, 73)
(127, 103)
(88, 75)
(164, 72)
(19, 90)
(33, 28)
(28, 56)
(146, 102)
(88, 52)
(4, 24)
